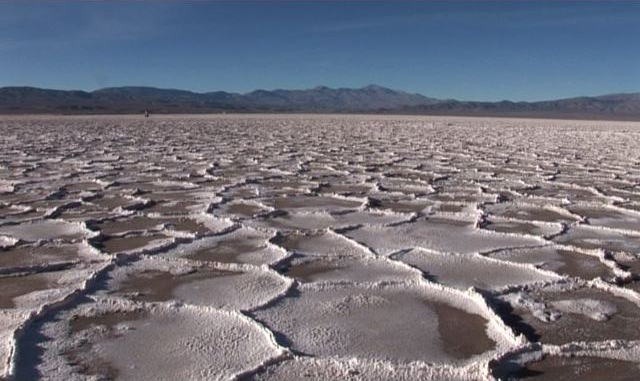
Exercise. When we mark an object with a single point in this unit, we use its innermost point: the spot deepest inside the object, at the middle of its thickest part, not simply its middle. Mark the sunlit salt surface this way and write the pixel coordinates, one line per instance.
(318, 247)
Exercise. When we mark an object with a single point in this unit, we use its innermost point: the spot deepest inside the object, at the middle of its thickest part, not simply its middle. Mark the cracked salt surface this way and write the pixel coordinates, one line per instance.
(580, 368)
(318, 247)
(464, 271)
(437, 233)
(43, 230)
(346, 321)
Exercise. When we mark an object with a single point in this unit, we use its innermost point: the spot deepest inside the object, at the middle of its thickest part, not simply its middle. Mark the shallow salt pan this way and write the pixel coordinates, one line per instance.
(194, 345)
(346, 322)
(188, 343)
(317, 203)
(464, 271)
(324, 244)
(241, 209)
(30, 256)
(437, 234)
(522, 227)
(240, 291)
(588, 315)
(593, 238)
(136, 244)
(48, 229)
(323, 220)
(309, 269)
(297, 221)
(581, 368)
(562, 261)
(243, 245)
(31, 291)
(616, 218)
(527, 212)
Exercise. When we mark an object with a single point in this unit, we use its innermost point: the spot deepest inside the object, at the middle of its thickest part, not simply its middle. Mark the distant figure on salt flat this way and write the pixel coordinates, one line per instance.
(146, 113)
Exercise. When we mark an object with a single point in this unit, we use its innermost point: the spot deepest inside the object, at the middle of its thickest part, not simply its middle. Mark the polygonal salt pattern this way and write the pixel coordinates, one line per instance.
(274, 247)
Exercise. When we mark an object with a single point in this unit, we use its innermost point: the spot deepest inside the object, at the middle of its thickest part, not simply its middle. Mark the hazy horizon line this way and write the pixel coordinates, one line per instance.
(86, 90)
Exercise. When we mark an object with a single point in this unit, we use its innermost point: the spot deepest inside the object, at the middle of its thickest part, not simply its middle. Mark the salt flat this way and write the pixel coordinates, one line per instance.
(288, 247)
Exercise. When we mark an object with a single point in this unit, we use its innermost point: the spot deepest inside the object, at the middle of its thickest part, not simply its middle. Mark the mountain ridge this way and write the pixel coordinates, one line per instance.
(367, 99)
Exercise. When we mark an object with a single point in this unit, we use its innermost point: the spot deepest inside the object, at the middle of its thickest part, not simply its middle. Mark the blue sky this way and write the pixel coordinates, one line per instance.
(464, 50)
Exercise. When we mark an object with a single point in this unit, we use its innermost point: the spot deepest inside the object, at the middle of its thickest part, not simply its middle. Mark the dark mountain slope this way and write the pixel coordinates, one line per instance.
(615, 106)
(372, 98)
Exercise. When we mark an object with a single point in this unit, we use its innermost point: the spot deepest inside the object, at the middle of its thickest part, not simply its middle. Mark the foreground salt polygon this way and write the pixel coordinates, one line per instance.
(334, 247)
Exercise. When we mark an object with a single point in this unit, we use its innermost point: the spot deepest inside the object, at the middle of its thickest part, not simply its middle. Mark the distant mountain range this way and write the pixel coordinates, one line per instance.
(369, 99)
